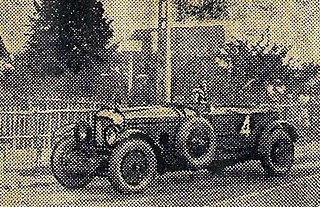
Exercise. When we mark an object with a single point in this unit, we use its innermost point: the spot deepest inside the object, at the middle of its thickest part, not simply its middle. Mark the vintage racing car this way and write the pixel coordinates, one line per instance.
(131, 146)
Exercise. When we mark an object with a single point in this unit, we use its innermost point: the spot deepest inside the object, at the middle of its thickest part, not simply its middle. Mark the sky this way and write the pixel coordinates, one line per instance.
(292, 23)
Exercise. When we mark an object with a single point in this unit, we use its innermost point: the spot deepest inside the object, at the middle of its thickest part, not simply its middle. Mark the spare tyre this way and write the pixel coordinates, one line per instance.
(71, 167)
(196, 143)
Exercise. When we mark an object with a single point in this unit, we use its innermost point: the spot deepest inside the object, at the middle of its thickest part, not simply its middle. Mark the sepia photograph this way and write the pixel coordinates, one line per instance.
(160, 103)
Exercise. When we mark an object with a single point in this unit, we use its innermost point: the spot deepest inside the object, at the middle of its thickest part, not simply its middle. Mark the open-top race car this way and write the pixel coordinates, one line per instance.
(131, 146)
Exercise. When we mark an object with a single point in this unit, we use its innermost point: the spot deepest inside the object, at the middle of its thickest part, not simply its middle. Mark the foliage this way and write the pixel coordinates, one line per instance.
(5, 61)
(246, 62)
(67, 36)
(6, 68)
(4, 54)
(307, 79)
(309, 70)
(251, 68)
(202, 9)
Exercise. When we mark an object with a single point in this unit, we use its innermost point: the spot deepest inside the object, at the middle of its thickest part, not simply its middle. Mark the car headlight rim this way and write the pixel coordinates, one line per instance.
(83, 132)
(112, 135)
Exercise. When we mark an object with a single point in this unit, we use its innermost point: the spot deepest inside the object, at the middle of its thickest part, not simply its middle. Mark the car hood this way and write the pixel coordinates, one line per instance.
(132, 113)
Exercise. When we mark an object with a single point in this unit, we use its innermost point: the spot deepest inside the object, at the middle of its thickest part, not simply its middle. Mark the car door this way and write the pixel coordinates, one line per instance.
(233, 128)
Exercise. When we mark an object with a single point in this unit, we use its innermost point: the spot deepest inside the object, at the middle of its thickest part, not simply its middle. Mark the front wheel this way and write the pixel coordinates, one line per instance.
(278, 157)
(70, 166)
(132, 166)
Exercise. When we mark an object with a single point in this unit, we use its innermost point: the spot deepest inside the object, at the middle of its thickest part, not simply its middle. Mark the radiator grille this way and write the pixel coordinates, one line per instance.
(102, 126)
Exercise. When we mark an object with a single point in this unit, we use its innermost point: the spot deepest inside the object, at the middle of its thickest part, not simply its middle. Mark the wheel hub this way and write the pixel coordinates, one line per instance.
(134, 167)
(281, 154)
(198, 144)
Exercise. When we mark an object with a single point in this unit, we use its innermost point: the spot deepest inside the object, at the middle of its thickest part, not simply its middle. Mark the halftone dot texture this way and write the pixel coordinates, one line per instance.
(254, 56)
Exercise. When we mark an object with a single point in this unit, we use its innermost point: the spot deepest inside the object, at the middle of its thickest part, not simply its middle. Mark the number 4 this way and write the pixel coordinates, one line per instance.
(245, 129)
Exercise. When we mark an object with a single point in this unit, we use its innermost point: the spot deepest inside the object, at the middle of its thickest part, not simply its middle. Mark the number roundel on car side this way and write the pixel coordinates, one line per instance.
(196, 142)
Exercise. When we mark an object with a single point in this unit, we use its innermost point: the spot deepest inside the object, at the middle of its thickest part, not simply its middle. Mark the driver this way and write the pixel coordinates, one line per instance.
(199, 95)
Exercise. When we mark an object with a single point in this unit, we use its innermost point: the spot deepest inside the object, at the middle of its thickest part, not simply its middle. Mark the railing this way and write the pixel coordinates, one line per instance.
(26, 135)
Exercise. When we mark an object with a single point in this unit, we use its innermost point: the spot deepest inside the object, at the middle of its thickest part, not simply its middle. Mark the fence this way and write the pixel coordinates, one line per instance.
(26, 133)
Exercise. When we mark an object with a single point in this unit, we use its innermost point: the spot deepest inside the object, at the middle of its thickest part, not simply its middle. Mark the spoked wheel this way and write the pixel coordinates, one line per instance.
(132, 166)
(196, 143)
(70, 166)
(278, 158)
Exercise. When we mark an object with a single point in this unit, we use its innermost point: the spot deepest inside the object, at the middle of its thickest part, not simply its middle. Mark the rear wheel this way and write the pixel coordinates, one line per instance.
(216, 169)
(278, 157)
(70, 166)
(132, 166)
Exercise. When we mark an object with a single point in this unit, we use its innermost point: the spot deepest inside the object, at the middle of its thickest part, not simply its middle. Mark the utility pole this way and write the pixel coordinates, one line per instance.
(165, 23)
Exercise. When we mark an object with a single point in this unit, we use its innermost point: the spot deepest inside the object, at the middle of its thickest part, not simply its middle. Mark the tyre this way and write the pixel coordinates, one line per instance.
(70, 166)
(277, 155)
(196, 143)
(216, 169)
(132, 166)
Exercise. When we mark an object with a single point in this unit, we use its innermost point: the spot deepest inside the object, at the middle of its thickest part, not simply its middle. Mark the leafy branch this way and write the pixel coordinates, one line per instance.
(204, 9)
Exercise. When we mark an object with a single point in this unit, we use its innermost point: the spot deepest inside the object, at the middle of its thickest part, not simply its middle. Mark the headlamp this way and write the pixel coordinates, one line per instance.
(82, 134)
(111, 136)
(83, 131)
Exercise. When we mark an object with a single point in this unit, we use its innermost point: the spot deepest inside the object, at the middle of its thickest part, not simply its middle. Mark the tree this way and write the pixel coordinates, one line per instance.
(6, 68)
(307, 78)
(252, 67)
(201, 9)
(67, 36)
(4, 54)
(5, 61)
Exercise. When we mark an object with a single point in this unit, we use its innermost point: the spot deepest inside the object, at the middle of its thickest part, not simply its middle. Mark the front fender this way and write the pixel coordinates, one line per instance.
(127, 134)
(265, 141)
(288, 127)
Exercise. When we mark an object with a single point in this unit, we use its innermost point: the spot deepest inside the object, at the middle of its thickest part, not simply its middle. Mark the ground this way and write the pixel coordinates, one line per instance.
(240, 185)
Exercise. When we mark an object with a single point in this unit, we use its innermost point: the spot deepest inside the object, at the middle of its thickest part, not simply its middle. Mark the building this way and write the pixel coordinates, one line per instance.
(162, 66)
